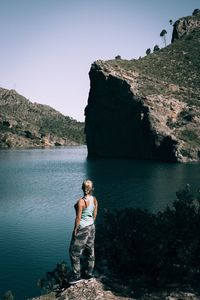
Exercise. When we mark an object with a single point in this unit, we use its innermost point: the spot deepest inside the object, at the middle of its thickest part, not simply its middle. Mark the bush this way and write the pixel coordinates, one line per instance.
(156, 48)
(148, 51)
(54, 280)
(189, 135)
(8, 296)
(162, 247)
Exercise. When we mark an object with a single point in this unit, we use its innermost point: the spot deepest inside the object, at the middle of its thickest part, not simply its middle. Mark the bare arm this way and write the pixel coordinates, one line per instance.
(95, 208)
(79, 208)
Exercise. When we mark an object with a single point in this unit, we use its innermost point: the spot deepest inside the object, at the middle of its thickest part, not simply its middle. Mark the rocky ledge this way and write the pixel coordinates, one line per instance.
(147, 108)
(94, 289)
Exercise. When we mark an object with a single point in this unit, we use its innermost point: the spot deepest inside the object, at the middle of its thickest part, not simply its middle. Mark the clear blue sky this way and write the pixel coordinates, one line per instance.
(47, 46)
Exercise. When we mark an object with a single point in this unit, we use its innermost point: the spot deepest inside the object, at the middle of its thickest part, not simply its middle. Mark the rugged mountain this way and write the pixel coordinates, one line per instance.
(148, 108)
(27, 124)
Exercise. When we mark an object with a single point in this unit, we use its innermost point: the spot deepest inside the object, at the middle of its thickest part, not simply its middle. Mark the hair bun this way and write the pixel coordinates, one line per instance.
(87, 187)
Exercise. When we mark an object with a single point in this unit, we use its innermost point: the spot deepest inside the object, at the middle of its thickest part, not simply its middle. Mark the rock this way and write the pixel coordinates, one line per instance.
(182, 296)
(186, 25)
(94, 289)
(120, 123)
(148, 108)
(91, 289)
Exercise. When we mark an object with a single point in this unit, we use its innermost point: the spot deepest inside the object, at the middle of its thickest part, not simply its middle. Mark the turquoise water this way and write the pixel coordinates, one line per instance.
(38, 189)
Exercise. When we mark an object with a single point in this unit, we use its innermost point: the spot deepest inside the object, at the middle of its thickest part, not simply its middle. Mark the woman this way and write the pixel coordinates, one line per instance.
(84, 233)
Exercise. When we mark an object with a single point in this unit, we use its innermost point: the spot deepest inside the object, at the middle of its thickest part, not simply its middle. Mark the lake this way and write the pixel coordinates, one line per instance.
(38, 190)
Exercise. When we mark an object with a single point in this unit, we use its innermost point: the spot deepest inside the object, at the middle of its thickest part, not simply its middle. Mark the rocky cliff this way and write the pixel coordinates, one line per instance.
(186, 25)
(148, 108)
(24, 124)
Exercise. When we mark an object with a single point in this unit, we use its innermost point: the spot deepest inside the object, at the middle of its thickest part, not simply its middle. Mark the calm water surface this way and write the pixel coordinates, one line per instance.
(38, 189)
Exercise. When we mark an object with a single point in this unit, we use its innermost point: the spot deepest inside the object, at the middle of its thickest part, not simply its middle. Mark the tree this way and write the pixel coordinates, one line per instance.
(156, 48)
(118, 57)
(148, 51)
(163, 36)
(171, 22)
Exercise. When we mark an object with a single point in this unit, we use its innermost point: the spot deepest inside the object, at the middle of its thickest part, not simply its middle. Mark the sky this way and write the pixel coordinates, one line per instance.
(47, 46)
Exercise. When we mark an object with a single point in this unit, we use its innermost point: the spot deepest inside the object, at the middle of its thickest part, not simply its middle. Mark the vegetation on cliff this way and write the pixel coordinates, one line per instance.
(27, 124)
(177, 64)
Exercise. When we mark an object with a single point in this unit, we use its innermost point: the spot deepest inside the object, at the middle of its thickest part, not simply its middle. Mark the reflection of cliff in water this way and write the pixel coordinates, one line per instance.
(141, 184)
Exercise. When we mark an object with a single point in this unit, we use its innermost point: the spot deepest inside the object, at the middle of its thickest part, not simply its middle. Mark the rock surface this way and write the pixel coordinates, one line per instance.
(186, 25)
(95, 290)
(24, 124)
(147, 108)
(87, 290)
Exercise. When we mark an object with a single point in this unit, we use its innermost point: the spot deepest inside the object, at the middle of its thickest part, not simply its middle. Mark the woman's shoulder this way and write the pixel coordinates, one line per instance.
(79, 202)
(95, 200)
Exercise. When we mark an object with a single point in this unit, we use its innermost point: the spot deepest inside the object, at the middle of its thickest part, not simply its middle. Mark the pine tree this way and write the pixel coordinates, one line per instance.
(163, 36)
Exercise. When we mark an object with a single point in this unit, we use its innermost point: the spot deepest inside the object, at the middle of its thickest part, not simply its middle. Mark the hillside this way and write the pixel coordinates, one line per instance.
(148, 108)
(24, 124)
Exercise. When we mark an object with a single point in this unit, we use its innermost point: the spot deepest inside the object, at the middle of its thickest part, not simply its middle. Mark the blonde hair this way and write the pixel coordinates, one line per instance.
(87, 187)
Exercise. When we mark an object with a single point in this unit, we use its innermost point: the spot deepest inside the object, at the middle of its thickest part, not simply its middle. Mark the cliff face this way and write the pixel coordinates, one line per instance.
(147, 108)
(119, 123)
(24, 124)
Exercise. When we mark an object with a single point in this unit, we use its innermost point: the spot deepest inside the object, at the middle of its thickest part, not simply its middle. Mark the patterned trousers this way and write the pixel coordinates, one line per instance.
(83, 241)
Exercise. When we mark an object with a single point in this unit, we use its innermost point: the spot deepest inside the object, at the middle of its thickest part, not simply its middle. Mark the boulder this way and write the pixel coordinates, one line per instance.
(186, 25)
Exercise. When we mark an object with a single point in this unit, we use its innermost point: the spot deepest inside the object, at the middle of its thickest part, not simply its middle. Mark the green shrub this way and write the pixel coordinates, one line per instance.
(163, 247)
(189, 135)
(8, 296)
(54, 280)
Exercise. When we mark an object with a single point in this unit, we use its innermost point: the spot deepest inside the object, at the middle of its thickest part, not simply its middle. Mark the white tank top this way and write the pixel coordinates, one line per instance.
(87, 217)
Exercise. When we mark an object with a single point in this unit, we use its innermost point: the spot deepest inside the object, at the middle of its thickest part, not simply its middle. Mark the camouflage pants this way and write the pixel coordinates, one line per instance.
(83, 241)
